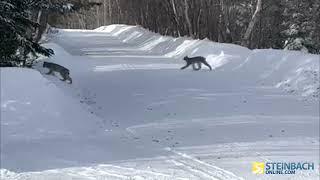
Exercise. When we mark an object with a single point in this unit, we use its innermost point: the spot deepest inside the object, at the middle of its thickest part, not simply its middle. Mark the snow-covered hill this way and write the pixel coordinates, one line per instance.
(131, 113)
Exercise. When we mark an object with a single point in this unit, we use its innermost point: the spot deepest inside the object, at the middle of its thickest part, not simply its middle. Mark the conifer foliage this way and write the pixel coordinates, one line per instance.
(16, 27)
(301, 21)
(22, 24)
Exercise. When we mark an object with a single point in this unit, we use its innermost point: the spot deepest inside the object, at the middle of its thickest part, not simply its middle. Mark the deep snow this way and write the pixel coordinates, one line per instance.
(132, 114)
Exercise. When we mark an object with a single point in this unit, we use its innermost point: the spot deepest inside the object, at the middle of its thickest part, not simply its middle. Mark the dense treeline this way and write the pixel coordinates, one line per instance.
(279, 24)
(22, 23)
(290, 24)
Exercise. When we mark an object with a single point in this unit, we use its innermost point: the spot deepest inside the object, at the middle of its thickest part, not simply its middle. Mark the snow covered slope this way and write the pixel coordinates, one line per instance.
(294, 72)
(132, 114)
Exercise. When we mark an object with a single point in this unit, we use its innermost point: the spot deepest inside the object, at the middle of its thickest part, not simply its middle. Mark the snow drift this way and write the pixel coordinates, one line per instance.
(294, 72)
(132, 114)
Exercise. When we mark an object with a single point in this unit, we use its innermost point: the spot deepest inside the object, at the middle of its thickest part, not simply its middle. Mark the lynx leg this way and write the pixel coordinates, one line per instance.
(188, 64)
(205, 63)
(196, 68)
(69, 79)
(64, 76)
(50, 72)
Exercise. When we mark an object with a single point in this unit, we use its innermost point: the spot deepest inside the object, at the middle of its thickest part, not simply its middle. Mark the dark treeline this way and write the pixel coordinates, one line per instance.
(22, 23)
(278, 24)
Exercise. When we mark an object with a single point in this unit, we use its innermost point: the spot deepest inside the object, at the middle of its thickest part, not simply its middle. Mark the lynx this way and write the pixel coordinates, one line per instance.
(196, 60)
(64, 72)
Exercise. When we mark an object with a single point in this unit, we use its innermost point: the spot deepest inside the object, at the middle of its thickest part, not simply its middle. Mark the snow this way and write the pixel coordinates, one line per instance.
(67, 7)
(131, 113)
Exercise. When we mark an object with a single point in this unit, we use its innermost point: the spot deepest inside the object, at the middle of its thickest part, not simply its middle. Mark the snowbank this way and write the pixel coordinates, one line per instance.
(132, 114)
(294, 72)
(34, 110)
(31, 103)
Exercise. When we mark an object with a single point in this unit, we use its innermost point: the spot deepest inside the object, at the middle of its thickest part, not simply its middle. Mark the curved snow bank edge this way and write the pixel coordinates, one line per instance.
(294, 72)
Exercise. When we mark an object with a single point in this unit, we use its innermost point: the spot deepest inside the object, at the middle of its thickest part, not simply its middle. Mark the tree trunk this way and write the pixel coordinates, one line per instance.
(119, 11)
(198, 23)
(37, 35)
(98, 17)
(247, 35)
(225, 23)
(110, 11)
(80, 20)
(186, 14)
(104, 12)
(176, 16)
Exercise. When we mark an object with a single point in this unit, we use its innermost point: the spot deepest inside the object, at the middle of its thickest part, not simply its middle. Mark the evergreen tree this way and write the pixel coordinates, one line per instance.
(301, 26)
(16, 28)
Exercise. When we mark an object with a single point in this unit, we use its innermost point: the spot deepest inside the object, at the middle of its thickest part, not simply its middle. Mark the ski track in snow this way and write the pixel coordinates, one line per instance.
(211, 171)
(131, 114)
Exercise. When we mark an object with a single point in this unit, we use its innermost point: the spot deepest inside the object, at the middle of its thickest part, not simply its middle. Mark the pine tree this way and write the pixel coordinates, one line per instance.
(16, 42)
(300, 25)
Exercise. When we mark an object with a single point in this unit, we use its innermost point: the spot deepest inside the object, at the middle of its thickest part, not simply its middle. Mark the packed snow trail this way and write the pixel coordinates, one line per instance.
(131, 113)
